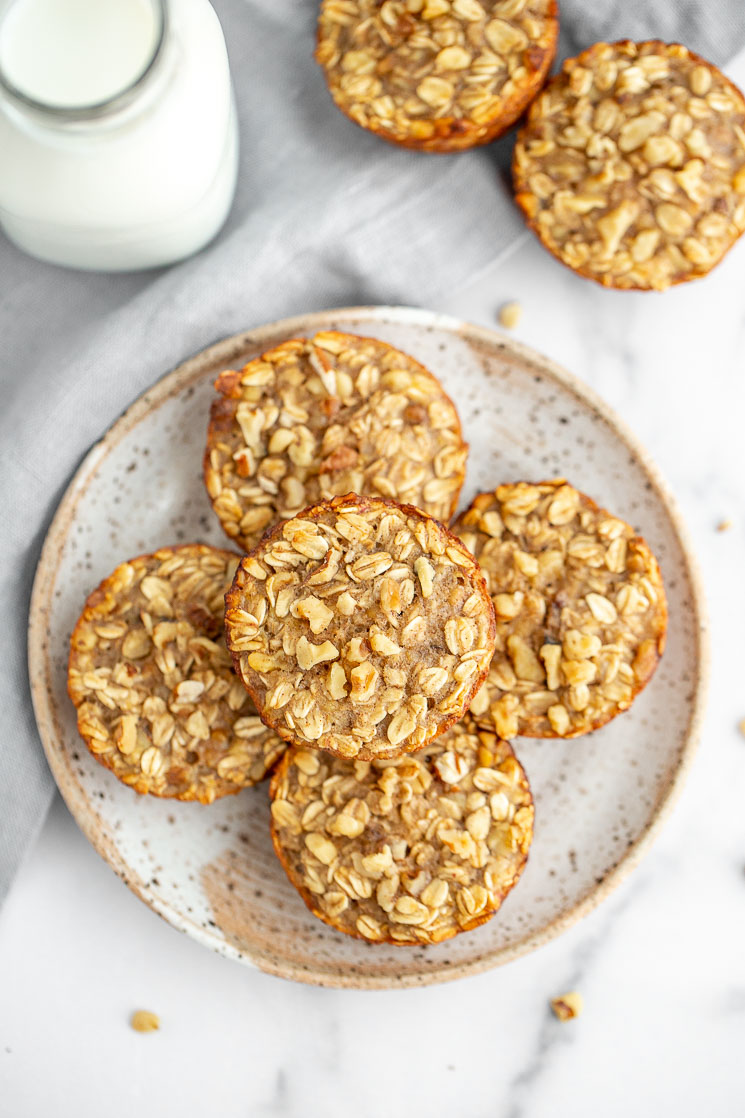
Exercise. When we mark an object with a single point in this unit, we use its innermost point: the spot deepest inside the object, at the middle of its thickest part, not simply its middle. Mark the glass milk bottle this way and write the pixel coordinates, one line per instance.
(118, 136)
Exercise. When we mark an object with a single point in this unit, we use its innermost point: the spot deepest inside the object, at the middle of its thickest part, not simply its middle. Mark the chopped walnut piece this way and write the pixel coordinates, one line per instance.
(143, 1021)
(567, 1006)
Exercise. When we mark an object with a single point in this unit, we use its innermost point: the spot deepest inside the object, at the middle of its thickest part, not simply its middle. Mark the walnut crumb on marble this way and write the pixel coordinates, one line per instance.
(567, 1006)
(143, 1021)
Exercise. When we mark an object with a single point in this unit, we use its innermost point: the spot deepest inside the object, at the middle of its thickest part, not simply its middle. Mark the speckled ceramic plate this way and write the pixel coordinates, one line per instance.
(211, 871)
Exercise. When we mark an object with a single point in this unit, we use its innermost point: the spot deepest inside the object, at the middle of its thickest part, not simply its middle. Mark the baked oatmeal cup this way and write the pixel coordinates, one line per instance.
(158, 702)
(438, 75)
(580, 607)
(631, 165)
(362, 626)
(408, 851)
(313, 419)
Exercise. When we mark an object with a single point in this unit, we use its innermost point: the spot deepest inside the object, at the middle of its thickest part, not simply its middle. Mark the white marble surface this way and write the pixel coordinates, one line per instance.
(661, 963)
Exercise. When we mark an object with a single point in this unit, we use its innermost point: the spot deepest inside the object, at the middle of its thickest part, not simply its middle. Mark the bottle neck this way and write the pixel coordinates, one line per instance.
(58, 108)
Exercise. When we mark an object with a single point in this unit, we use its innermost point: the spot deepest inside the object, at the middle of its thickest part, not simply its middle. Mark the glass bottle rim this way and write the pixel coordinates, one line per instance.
(71, 113)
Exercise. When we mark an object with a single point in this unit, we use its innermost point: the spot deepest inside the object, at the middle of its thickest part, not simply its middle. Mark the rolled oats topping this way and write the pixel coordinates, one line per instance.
(405, 851)
(157, 699)
(580, 606)
(631, 166)
(314, 419)
(440, 75)
(362, 627)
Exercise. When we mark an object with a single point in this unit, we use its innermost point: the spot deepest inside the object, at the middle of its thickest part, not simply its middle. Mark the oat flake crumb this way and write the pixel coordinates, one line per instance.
(143, 1021)
(510, 315)
(724, 525)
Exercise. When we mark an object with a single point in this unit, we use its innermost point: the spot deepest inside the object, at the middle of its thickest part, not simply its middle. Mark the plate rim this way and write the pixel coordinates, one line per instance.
(173, 381)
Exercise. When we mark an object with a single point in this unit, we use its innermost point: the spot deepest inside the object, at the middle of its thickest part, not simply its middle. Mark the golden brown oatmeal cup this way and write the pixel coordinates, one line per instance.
(409, 851)
(157, 700)
(437, 75)
(580, 606)
(315, 418)
(362, 626)
(631, 165)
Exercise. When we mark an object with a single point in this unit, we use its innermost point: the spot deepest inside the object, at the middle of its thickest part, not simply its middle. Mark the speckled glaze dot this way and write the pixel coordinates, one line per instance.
(211, 872)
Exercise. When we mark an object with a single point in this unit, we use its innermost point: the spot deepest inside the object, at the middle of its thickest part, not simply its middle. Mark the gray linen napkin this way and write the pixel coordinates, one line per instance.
(325, 215)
